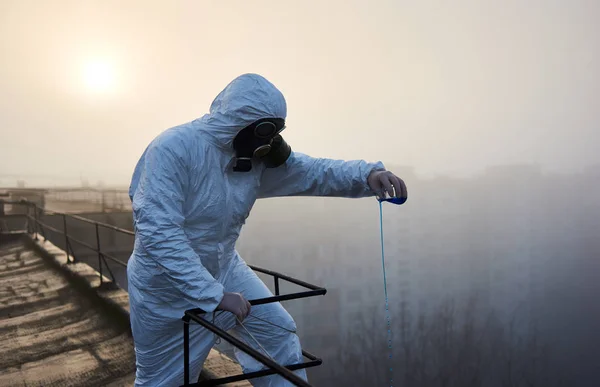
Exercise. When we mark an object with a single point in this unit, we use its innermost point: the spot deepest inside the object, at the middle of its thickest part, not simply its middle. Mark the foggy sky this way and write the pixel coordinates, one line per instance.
(445, 87)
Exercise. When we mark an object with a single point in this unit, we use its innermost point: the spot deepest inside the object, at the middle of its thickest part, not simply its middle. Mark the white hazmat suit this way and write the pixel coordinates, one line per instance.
(188, 208)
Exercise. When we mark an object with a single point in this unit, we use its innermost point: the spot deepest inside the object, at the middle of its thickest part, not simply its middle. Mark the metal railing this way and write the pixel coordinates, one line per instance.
(273, 367)
(94, 199)
(37, 227)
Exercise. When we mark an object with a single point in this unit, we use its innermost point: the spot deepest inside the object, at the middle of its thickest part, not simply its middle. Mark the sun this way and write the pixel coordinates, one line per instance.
(99, 76)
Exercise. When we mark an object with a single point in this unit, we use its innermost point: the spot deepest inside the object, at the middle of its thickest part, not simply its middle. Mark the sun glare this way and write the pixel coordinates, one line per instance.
(99, 76)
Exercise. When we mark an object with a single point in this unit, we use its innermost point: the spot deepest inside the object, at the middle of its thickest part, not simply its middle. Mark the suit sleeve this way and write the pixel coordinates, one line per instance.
(303, 175)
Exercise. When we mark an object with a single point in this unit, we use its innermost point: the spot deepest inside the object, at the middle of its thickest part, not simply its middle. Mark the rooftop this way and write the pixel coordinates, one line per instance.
(52, 335)
(55, 334)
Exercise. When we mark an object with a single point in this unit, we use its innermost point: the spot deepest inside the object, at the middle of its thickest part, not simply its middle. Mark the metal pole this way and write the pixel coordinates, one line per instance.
(186, 351)
(27, 215)
(288, 297)
(281, 370)
(66, 236)
(99, 254)
(284, 277)
(1, 214)
(276, 285)
(36, 220)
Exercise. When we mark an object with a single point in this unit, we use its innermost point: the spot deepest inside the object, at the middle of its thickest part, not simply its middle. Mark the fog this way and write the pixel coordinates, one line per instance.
(492, 280)
(488, 110)
(444, 87)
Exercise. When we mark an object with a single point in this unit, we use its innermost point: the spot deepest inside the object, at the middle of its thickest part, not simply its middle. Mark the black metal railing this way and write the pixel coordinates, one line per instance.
(37, 227)
(272, 366)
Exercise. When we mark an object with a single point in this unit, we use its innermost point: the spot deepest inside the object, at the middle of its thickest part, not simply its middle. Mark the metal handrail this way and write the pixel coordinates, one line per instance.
(38, 225)
(89, 221)
(273, 367)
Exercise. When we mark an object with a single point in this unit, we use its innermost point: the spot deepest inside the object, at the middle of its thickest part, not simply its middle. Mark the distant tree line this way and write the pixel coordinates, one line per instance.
(452, 347)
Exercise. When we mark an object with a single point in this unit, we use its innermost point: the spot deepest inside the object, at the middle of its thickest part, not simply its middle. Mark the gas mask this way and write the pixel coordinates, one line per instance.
(261, 140)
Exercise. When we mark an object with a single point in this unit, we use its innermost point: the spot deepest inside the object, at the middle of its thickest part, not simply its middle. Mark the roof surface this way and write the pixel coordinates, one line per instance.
(52, 336)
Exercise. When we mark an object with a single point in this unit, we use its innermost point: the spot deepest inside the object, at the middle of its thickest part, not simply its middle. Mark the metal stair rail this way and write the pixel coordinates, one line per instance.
(273, 367)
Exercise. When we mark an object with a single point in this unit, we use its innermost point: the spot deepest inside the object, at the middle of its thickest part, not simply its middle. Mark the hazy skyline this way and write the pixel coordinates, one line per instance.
(446, 88)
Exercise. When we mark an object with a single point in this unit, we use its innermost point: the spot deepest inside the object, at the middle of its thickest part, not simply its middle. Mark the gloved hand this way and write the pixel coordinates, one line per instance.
(236, 304)
(382, 182)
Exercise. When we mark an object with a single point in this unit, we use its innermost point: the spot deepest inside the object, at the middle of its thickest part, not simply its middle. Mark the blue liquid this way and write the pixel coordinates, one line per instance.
(397, 201)
(387, 309)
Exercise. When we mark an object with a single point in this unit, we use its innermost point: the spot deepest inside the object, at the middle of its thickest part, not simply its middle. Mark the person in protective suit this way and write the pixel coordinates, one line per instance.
(191, 192)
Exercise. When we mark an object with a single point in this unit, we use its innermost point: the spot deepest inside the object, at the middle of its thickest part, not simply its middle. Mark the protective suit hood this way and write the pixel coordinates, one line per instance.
(245, 100)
